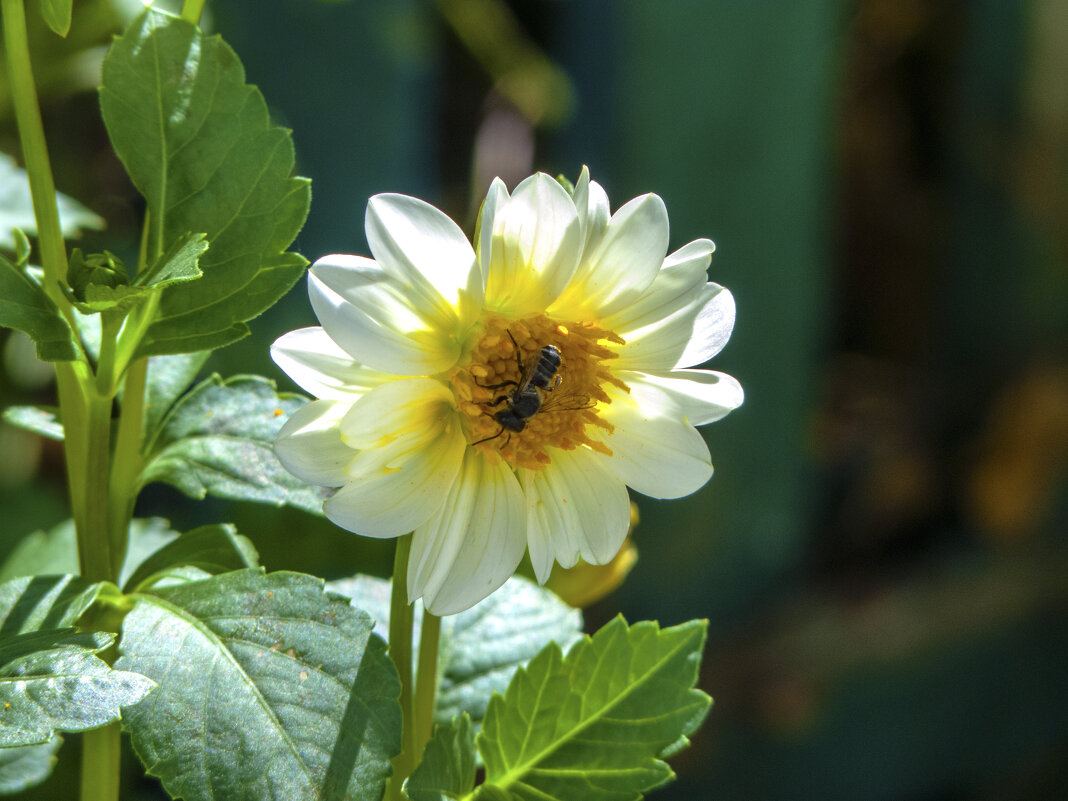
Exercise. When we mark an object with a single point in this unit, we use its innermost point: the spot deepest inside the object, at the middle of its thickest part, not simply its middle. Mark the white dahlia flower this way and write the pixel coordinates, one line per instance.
(502, 397)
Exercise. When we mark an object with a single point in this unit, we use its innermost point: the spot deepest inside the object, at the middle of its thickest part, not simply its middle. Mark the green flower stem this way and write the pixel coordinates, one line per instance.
(35, 151)
(126, 462)
(192, 9)
(101, 749)
(400, 651)
(426, 680)
(94, 541)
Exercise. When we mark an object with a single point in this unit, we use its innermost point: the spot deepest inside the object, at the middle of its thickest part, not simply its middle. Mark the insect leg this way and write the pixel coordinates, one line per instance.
(487, 439)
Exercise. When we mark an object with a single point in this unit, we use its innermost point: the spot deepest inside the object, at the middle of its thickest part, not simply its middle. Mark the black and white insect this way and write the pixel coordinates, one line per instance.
(538, 376)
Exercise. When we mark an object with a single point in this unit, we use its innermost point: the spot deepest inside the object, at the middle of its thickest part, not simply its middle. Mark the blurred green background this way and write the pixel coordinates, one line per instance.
(882, 553)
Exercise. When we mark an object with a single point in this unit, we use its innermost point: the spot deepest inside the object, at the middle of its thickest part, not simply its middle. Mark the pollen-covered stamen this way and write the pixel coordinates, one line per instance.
(517, 404)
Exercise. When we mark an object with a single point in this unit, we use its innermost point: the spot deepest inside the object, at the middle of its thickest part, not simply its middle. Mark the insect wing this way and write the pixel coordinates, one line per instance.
(566, 401)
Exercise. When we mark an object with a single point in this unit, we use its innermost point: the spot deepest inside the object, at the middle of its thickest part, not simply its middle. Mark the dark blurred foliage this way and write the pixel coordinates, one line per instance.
(882, 552)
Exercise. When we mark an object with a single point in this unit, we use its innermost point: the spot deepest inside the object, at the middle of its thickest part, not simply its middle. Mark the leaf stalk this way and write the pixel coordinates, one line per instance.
(426, 681)
(401, 620)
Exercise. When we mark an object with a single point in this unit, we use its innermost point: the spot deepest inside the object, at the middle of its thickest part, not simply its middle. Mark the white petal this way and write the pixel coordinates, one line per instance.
(622, 266)
(591, 202)
(309, 445)
(425, 251)
(474, 544)
(659, 328)
(576, 508)
(711, 330)
(320, 367)
(654, 450)
(534, 249)
(703, 396)
(411, 448)
(496, 198)
(375, 319)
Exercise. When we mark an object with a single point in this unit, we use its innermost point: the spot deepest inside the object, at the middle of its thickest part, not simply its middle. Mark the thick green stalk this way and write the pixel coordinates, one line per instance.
(94, 541)
(192, 9)
(426, 681)
(34, 150)
(86, 415)
(101, 750)
(400, 651)
(126, 462)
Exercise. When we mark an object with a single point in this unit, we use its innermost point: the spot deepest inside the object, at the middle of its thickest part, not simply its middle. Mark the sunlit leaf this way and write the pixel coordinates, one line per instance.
(198, 143)
(52, 681)
(592, 726)
(269, 687)
(43, 420)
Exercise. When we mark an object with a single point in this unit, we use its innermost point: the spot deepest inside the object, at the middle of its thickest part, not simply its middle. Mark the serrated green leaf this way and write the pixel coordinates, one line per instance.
(179, 263)
(99, 299)
(99, 291)
(16, 208)
(43, 420)
(55, 682)
(447, 769)
(25, 306)
(219, 440)
(56, 14)
(27, 766)
(31, 603)
(482, 647)
(269, 687)
(213, 549)
(94, 269)
(591, 726)
(198, 143)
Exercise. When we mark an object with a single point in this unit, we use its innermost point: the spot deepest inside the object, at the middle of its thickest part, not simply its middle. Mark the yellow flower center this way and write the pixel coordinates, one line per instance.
(534, 383)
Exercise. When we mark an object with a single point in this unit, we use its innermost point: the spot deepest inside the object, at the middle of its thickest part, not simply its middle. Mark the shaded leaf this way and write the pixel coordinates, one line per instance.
(31, 603)
(482, 647)
(219, 440)
(198, 143)
(447, 769)
(16, 646)
(43, 420)
(592, 725)
(147, 536)
(56, 551)
(57, 14)
(27, 766)
(16, 207)
(168, 377)
(213, 549)
(269, 687)
(25, 306)
(52, 681)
